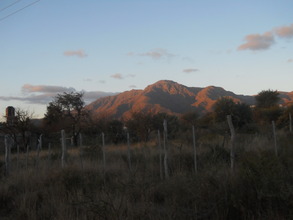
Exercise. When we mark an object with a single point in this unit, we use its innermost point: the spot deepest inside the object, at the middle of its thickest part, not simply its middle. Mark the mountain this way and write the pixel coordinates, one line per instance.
(167, 96)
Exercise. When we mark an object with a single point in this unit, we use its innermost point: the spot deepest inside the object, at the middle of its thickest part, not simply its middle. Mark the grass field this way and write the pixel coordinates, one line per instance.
(260, 187)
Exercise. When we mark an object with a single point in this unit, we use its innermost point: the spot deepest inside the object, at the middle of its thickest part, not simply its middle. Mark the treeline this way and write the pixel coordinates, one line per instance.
(67, 112)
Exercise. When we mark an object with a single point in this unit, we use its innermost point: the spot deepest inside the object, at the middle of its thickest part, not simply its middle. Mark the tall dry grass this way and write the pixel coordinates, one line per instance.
(261, 186)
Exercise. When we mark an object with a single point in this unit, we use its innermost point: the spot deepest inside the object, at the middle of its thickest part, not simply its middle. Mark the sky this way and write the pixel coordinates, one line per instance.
(103, 47)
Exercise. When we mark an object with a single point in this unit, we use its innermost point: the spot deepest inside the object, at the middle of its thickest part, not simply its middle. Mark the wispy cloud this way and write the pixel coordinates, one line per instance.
(43, 94)
(120, 76)
(79, 53)
(284, 31)
(290, 60)
(258, 42)
(132, 86)
(88, 80)
(190, 70)
(157, 53)
(28, 88)
(117, 76)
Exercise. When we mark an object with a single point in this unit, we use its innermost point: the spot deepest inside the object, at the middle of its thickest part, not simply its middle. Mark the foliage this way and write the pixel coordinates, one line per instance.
(140, 124)
(21, 128)
(240, 112)
(267, 99)
(259, 188)
(67, 111)
(172, 123)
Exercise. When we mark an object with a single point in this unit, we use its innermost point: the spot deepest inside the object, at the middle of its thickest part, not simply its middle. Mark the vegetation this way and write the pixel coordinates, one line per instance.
(89, 187)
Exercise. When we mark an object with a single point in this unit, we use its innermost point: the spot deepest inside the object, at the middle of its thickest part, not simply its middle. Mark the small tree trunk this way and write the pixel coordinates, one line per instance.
(232, 130)
(63, 143)
(194, 149)
(166, 150)
(275, 138)
(160, 155)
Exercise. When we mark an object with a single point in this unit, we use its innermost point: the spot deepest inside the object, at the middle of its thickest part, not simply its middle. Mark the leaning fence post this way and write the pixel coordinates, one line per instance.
(232, 130)
(166, 149)
(194, 149)
(160, 154)
(63, 143)
(7, 154)
(275, 138)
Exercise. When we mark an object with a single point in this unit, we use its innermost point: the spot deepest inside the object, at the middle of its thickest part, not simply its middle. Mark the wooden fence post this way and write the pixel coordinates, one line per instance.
(63, 143)
(160, 154)
(232, 130)
(275, 138)
(39, 148)
(194, 149)
(166, 149)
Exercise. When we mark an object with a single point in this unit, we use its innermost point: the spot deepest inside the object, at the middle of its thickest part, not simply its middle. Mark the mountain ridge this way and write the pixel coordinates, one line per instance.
(169, 97)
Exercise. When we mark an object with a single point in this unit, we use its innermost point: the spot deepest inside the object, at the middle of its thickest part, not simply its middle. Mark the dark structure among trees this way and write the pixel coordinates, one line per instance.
(10, 115)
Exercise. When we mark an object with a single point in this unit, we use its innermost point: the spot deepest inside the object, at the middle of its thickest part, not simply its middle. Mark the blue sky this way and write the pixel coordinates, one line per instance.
(102, 47)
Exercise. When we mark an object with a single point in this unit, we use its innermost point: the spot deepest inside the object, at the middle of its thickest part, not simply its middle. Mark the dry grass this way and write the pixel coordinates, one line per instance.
(261, 186)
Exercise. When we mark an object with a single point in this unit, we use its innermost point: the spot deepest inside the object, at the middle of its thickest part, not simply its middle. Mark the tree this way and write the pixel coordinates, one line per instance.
(21, 128)
(140, 124)
(267, 109)
(172, 122)
(267, 99)
(67, 108)
(223, 107)
(240, 112)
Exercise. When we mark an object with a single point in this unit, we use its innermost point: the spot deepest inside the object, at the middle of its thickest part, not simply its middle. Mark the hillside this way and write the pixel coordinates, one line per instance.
(170, 97)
